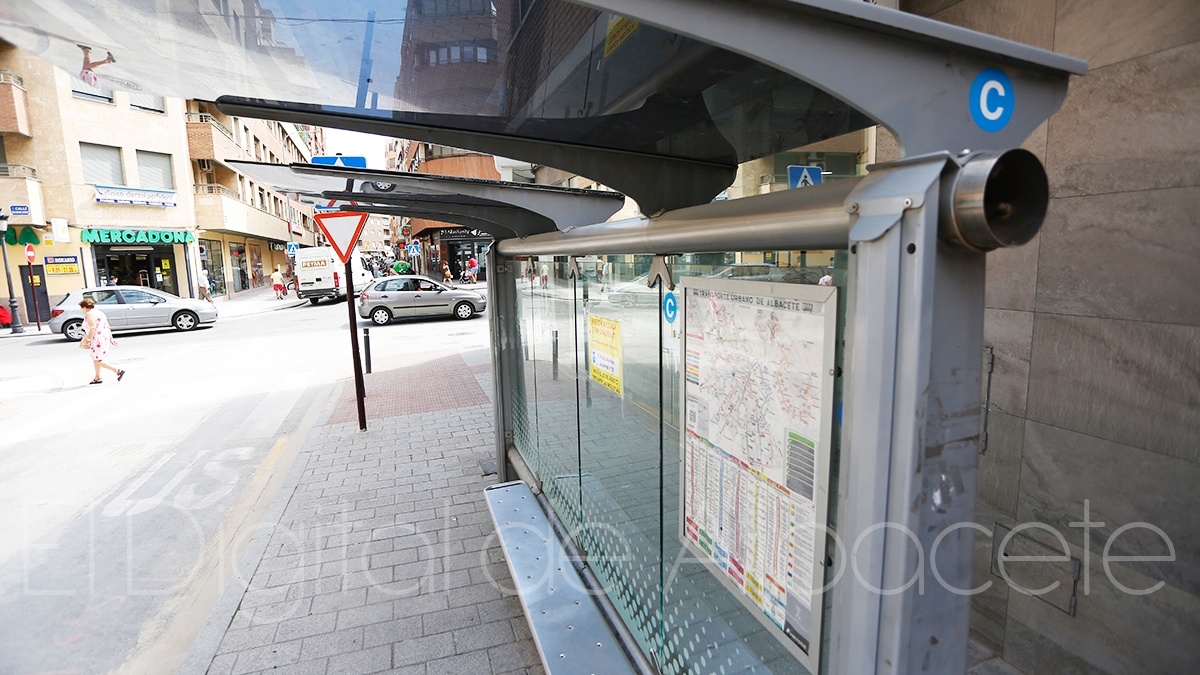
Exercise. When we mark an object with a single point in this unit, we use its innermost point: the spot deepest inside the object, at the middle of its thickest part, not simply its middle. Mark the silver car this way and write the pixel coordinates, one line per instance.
(410, 295)
(130, 308)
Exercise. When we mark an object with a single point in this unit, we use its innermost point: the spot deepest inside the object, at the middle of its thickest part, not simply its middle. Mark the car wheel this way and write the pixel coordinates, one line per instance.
(464, 310)
(628, 300)
(381, 316)
(74, 330)
(185, 321)
(314, 300)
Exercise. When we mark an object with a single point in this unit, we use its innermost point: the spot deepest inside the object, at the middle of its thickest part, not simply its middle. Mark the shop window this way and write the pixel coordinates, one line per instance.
(212, 258)
(154, 169)
(101, 164)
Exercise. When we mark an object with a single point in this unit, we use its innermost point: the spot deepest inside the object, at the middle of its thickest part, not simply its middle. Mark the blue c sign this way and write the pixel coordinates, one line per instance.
(992, 100)
(670, 308)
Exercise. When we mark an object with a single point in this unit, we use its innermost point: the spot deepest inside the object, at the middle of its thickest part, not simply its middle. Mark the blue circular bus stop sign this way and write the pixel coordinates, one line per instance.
(670, 308)
(992, 100)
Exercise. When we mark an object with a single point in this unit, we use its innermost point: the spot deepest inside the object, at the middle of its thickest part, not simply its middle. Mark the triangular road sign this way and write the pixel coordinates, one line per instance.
(341, 229)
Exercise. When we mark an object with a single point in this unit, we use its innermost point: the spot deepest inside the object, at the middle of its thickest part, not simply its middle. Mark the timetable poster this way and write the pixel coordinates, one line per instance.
(757, 392)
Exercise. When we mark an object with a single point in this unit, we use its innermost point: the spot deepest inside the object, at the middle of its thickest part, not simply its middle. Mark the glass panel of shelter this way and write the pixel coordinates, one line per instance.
(599, 429)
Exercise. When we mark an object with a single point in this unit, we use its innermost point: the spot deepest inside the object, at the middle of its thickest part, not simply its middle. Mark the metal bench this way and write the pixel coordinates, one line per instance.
(568, 627)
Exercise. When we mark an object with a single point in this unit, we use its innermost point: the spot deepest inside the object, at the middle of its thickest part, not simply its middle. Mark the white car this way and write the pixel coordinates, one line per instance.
(130, 308)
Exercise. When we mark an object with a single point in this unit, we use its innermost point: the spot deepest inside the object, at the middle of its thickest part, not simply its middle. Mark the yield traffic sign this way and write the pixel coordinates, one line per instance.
(342, 229)
(30, 254)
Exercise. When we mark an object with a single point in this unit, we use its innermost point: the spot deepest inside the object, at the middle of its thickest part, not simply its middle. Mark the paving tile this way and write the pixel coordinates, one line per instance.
(472, 662)
(316, 624)
(450, 619)
(269, 656)
(390, 632)
(483, 636)
(246, 638)
(424, 650)
(329, 644)
(361, 616)
(340, 600)
(361, 662)
(513, 657)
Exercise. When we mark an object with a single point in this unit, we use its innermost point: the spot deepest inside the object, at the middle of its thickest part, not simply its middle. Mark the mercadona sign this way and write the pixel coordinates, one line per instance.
(107, 236)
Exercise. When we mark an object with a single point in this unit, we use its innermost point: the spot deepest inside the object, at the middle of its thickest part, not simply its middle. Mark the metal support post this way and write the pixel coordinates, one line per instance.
(911, 434)
(508, 368)
(554, 356)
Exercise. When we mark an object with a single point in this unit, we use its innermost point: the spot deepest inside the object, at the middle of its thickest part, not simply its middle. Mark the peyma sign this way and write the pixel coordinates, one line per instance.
(105, 236)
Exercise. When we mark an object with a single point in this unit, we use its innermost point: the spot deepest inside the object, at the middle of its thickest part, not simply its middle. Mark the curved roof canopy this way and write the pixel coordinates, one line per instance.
(594, 87)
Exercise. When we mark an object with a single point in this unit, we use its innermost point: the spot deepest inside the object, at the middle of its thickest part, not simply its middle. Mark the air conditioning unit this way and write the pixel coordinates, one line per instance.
(204, 164)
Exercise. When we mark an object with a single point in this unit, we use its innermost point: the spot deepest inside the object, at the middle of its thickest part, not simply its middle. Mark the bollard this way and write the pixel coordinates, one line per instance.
(554, 354)
(367, 348)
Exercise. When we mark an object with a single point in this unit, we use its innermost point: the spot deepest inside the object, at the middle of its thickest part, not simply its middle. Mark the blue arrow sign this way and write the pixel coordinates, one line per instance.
(803, 176)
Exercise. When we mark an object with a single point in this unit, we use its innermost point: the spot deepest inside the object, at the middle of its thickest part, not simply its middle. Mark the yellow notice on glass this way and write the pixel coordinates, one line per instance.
(619, 30)
(604, 358)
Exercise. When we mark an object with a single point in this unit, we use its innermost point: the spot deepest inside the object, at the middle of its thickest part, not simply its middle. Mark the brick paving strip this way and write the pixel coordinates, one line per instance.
(384, 557)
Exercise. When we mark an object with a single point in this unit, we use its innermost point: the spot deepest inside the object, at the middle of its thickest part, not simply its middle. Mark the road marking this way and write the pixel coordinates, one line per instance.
(264, 420)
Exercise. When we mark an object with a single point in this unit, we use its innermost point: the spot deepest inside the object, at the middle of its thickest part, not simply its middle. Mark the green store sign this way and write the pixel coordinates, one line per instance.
(104, 236)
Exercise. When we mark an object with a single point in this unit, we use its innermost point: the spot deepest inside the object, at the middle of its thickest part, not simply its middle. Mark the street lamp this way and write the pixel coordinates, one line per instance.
(12, 299)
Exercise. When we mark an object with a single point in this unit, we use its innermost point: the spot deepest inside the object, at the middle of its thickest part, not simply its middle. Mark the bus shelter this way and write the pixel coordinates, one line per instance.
(759, 475)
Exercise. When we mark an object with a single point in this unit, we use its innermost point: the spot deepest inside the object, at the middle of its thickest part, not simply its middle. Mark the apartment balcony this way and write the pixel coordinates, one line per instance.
(209, 139)
(19, 186)
(14, 108)
(218, 209)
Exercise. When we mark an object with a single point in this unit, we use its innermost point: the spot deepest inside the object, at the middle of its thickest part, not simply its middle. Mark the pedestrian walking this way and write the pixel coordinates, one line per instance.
(98, 340)
(826, 280)
(446, 274)
(545, 275)
(203, 284)
(473, 270)
(277, 283)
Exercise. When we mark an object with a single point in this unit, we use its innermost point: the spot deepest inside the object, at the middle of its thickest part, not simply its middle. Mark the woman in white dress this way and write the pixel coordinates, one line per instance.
(98, 339)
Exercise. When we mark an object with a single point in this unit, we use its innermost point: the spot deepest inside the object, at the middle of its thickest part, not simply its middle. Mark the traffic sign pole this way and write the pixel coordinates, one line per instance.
(360, 387)
(30, 255)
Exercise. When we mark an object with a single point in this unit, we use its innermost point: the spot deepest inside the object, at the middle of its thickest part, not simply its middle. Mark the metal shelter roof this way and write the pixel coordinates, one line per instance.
(659, 100)
(502, 209)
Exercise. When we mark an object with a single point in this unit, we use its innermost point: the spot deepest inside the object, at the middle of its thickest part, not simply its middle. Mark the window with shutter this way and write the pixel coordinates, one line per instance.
(154, 169)
(101, 164)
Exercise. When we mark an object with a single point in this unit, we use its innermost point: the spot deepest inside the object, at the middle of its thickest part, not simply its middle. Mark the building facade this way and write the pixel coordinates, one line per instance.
(132, 188)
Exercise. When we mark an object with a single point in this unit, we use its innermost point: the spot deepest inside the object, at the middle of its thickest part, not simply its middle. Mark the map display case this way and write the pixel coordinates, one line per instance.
(757, 400)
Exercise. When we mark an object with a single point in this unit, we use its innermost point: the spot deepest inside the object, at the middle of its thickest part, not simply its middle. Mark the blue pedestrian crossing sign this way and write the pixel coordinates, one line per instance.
(292, 249)
(413, 249)
(339, 160)
(803, 176)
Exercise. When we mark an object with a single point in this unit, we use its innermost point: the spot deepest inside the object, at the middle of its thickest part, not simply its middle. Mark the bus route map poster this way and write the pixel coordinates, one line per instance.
(757, 401)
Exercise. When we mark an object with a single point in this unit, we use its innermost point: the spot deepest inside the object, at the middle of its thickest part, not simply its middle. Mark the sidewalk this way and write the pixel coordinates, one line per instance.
(382, 555)
(254, 301)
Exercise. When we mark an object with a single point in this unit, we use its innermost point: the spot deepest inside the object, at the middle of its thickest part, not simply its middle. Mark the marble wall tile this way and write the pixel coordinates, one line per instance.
(1133, 383)
(989, 608)
(1131, 255)
(1121, 484)
(1129, 126)
(1010, 334)
(1000, 466)
(1027, 21)
(1111, 632)
(1107, 31)
(1012, 277)
(926, 7)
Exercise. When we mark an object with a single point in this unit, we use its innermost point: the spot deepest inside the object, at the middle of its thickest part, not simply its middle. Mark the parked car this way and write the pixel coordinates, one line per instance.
(411, 295)
(130, 308)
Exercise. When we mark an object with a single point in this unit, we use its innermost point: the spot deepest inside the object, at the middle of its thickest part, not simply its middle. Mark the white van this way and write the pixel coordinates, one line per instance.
(319, 274)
